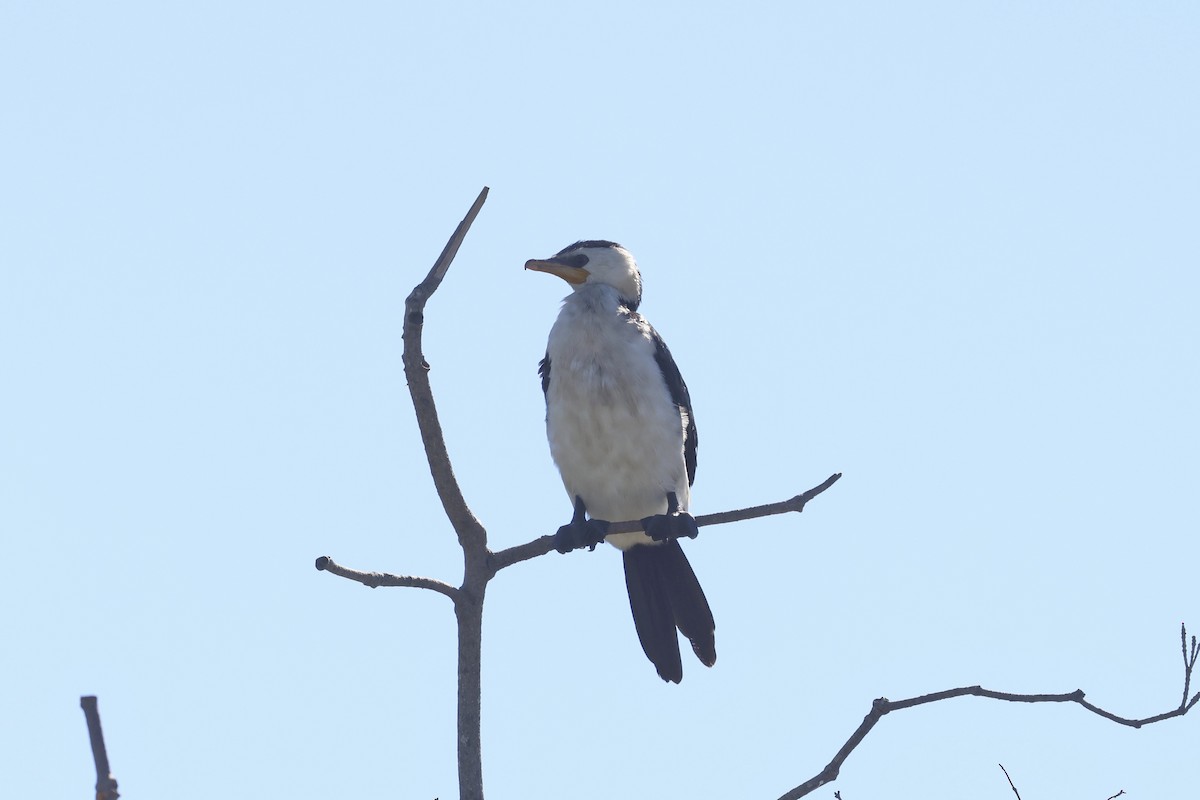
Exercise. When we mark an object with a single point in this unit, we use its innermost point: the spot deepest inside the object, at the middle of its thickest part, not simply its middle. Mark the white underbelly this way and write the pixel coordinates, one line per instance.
(619, 450)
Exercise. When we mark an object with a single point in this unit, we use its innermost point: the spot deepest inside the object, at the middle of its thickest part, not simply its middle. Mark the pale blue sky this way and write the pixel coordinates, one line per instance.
(946, 248)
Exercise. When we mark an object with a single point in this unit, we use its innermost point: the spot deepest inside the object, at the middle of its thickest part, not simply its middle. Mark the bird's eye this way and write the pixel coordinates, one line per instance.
(577, 260)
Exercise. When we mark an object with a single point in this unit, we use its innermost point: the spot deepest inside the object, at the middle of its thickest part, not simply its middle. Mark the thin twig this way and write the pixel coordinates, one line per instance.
(544, 544)
(1010, 783)
(1189, 663)
(796, 504)
(376, 579)
(1118, 794)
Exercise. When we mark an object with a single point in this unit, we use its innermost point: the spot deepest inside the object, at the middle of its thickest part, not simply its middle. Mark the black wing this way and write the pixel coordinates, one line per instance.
(679, 395)
(544, 371)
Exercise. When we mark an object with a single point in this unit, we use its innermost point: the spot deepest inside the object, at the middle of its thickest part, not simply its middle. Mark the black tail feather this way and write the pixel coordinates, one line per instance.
(664, 595)
(692, 615)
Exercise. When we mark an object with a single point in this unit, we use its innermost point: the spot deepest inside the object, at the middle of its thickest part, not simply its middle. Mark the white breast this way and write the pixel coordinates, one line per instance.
(615, 434)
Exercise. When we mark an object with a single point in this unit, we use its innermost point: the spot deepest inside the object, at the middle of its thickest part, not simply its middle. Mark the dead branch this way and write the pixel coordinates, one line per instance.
(545, 544)
(1189, 661)
(416, 370)
(884, 706)
(106, 784)
(468, 599)
(374, 580)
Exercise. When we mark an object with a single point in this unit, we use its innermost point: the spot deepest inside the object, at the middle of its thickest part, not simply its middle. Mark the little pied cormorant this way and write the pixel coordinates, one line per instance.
(622, 433)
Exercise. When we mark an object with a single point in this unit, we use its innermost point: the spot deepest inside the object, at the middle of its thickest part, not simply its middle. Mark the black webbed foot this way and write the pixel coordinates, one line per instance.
(674, 524)
(580, 531)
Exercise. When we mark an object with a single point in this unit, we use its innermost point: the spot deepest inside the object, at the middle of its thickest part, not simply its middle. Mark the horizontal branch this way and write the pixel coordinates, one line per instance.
(545, 544)
(884, 706)
(377, 579)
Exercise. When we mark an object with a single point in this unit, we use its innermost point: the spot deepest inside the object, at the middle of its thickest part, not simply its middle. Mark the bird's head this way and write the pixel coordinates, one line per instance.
(595, 262)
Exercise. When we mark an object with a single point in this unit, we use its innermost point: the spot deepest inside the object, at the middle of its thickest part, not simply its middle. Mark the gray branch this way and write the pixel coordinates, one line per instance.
(106, 784)
(545, 544)
(416, 370)
(884, 706)
(472, 537)
(376, 579)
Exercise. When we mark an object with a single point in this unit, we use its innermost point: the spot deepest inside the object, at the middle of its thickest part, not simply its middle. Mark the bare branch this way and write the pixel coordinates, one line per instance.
(545, 544)
(468, 600)
(416, 370)
(377, 579)
(1189, 664)
(884, 706)
(1118, 794)
(106, 784)
(796, 504)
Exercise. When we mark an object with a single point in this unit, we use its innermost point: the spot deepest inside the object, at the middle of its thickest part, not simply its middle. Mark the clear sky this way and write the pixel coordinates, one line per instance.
(948, 249)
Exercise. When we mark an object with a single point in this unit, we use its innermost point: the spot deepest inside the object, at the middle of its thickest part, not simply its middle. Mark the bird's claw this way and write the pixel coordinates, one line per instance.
(580, 533)
(674, 524)
(677, 525)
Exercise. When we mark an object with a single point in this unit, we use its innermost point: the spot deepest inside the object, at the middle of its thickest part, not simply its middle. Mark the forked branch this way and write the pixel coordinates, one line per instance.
(884, 706)
(481, 565)
(545, 544)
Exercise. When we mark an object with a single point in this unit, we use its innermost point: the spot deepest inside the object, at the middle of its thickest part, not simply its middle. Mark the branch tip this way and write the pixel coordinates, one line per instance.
(373, 580)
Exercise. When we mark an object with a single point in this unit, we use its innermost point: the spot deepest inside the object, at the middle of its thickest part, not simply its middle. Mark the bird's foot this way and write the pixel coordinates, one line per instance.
(674, 524)
(580, 532)
(662, 527)
(575, 535)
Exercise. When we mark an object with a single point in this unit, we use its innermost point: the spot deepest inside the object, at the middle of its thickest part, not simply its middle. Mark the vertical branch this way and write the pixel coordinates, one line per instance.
(472, 537)
(106, 784)
(1189, 662)
(416, 371)
(469, 611)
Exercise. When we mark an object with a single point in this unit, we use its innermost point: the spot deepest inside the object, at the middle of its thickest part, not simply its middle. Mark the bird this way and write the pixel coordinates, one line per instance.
(622, 433)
